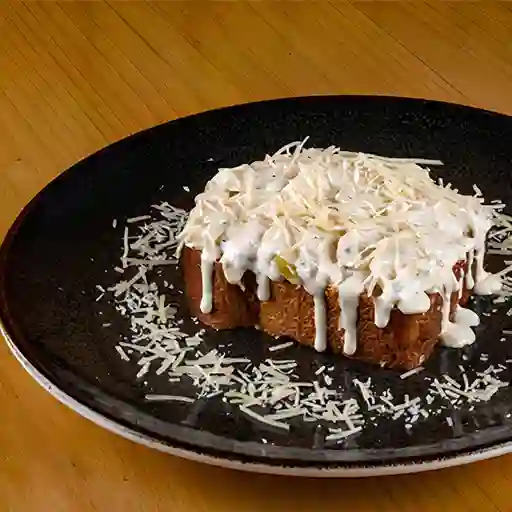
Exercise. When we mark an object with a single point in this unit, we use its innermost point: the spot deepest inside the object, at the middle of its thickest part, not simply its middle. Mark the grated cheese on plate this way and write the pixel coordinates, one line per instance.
(271, 391)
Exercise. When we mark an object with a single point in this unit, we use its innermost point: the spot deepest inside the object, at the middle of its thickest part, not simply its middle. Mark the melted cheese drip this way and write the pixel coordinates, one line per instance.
(467, 317)
(445, 311)
(489, 285)
(263, 290)
(459, 333)
(457, 336)
(348, 294)
(461, 284)
(320, 322)
(206, 282)
(348, 220)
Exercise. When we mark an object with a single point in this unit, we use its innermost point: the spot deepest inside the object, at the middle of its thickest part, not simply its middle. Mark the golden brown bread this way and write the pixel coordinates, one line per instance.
(406, 342)
(232, 307)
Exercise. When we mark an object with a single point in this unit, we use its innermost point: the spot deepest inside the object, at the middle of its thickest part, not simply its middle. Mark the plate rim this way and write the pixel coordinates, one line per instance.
(317, 470)
(485, 451)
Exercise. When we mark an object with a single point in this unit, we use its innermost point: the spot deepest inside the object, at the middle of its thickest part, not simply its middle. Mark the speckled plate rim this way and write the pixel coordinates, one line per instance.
(224, 461)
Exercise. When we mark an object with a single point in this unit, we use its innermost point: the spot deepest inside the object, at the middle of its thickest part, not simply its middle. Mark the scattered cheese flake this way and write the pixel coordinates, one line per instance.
(320, 370)
(336, 436)
(282, 346)
(169, 398)
(122, 353)
(264, 419)
(138, 219)
(411, 372)
(159, 344)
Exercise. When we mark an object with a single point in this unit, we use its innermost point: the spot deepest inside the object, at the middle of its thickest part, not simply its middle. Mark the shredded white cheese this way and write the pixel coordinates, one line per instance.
(271, 391)
(357, 222)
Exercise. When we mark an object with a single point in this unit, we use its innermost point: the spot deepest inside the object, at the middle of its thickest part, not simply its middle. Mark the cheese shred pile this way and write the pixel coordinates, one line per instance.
(270, 392)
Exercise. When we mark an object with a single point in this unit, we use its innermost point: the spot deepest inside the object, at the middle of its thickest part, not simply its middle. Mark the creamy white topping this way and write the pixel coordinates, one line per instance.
(359, 222)
(206, 283)
(458, 333)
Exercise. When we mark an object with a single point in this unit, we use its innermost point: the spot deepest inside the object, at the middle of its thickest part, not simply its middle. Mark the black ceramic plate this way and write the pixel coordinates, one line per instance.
(64, 244)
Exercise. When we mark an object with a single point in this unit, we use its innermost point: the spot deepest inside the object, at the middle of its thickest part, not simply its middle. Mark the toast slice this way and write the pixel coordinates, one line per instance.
(405, 343)
(364, 255)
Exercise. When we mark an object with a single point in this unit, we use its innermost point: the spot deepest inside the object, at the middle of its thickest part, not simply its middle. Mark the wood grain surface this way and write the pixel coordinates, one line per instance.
(75, 77)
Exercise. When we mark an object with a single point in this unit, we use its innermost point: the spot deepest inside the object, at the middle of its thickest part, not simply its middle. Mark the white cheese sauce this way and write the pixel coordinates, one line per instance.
(206, 305)
(320, 321)
(358, 223)
(459, 333)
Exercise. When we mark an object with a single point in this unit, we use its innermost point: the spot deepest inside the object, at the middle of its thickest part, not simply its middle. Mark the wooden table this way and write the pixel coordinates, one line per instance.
(75, 77)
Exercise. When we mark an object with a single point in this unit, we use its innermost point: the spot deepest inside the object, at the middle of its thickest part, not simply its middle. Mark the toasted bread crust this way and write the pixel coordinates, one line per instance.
(232, 306)
(406, 342)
